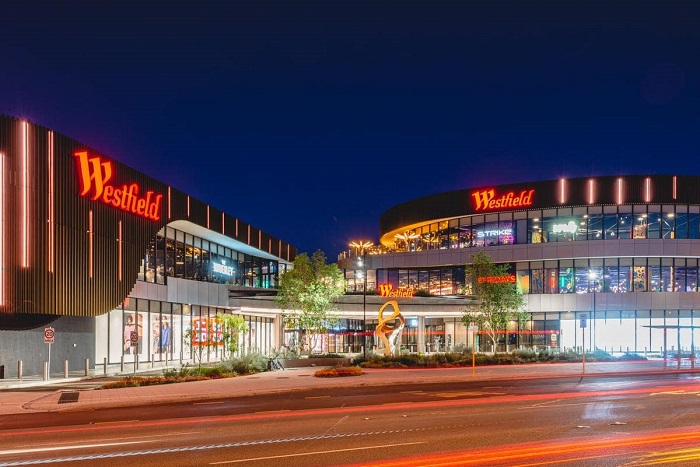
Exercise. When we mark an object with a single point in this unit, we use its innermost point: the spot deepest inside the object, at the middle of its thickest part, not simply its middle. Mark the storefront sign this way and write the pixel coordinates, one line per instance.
(387, 290)
(565, 228)
(485, 200)
(223, 269)
(494, 233)
(207, 331)
(507, 279)
(94, 179)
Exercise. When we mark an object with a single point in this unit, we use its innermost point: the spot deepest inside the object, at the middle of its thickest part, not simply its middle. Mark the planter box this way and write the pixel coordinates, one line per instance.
(322, 362)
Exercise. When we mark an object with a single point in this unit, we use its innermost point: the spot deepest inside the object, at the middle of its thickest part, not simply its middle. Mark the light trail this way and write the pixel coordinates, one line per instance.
(358, 409)
(579, 449)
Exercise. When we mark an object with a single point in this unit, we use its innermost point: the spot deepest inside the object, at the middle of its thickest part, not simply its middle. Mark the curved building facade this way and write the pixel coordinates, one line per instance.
(88, 243)
(620, 251)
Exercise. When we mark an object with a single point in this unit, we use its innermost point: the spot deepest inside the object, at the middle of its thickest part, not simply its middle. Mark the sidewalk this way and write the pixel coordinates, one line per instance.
(296, 379)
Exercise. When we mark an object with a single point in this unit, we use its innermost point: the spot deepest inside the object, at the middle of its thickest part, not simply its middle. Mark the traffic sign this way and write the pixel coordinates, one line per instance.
(49, 335)
(134, 338)
(584, 318)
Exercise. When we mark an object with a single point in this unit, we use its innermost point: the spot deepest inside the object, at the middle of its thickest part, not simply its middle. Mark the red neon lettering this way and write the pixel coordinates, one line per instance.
(507, 279)
(486, 199)
(94, 177)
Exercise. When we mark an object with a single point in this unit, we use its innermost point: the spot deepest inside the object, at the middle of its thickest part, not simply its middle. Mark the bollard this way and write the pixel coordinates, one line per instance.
(105, 365)
(46, 371)
(65, 368)
(2, 371)
(166, 359)
(121, 369)
(153, 360)
(136, 362)
(19, 369)
(87, 367)
(181, 358)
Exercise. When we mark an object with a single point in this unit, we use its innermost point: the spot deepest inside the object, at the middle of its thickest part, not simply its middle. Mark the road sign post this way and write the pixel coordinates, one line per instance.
(134, 339)
(49, 336)
(584, 323)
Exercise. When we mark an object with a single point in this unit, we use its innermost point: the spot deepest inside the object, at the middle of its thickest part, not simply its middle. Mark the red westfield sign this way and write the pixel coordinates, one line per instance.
(95, 175)
(485, 200)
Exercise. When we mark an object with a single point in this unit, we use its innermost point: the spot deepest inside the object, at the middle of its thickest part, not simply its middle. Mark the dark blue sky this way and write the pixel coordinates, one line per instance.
(310, 119)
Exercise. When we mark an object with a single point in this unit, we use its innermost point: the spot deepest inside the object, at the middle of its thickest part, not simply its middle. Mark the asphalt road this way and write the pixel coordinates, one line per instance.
(596, 421)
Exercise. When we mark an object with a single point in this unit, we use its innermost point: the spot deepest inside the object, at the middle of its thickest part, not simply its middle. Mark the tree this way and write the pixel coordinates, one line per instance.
(232, 328)
(307, 295)
(499, 301)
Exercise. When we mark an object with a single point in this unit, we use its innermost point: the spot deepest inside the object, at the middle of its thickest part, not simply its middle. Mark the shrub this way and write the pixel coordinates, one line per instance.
(332, 372)
(253, 362)
(327, 355)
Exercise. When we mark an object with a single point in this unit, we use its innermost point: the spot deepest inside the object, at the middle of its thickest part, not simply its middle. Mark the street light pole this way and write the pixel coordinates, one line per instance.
(363, 246)
(364, 304)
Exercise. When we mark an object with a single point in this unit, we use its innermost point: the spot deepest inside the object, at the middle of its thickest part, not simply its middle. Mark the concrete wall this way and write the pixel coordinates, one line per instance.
(75, 346)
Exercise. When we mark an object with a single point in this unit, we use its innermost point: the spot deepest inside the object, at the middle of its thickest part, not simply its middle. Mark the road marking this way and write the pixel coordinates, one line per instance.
(208, 403)
(65, 448)
(115, 421)
(363, 448)
(274, 411)
(467, 394)
(317, 397)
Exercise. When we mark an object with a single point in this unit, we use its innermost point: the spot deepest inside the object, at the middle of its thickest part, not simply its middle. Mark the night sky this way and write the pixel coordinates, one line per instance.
(310, 119)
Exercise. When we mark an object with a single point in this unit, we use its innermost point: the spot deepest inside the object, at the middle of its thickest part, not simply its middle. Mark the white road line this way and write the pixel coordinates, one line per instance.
(65, 448)
(315, 453)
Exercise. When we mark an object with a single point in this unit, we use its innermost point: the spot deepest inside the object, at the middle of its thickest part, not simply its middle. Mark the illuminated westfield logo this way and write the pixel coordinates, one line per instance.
(387, 290)
(95, 175)
(485, 200)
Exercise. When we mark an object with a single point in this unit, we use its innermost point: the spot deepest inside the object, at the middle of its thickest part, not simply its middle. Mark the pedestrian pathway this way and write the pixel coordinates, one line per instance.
(296, 379)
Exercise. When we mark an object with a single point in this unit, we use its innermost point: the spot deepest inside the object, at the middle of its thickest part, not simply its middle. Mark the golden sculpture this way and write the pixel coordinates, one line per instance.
(387, 329)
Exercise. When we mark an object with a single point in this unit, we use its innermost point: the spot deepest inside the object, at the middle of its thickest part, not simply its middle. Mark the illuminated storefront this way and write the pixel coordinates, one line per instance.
(625, 251)
(118, 263)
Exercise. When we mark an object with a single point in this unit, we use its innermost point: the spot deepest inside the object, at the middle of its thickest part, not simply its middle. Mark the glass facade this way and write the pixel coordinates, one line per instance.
(172, 332)
(173, 253)
(609, 275)
(556, 225)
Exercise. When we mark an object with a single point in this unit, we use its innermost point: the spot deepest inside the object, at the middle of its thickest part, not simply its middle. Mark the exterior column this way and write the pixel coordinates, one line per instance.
(421, 334)
(277, 332)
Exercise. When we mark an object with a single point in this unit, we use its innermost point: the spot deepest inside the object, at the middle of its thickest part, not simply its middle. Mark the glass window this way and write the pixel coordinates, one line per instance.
(693, 224)
(655, 275)
(595, 227)
(566, 280)
(654, 225)
(610, 222)
(581, 279)
(681, 225)
(667, 225)
(551, 284)
(624, 226)
(537, 281)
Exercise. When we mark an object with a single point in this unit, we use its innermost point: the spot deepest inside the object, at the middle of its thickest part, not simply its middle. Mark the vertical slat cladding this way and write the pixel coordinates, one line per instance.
(64, 230)
(3, 235)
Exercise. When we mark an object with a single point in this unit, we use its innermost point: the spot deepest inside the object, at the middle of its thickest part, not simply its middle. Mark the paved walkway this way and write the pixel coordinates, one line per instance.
(19, 401)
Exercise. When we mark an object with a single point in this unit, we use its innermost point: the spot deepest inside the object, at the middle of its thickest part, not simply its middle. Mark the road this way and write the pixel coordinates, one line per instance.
(593, 421)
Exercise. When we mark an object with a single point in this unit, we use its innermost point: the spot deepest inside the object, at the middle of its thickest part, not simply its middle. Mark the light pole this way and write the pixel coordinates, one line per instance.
(363, 246)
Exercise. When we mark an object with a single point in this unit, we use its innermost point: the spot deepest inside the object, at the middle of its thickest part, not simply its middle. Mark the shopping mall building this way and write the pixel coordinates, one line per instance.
(620, 251)
(119, 265)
